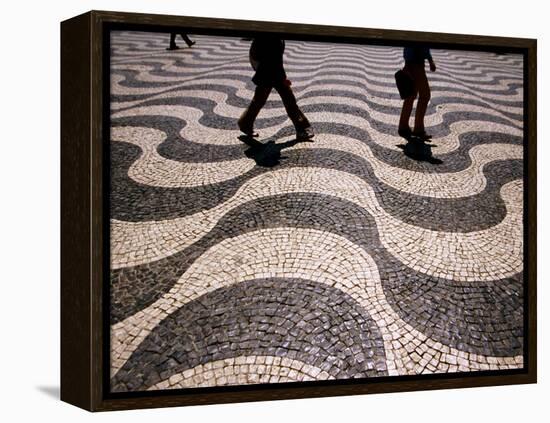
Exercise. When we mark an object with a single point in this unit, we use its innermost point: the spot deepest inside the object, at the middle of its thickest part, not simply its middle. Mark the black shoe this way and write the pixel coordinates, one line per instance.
(174, 47)
(422, 135)
(305, 134)
(249, 132)
(192, 43)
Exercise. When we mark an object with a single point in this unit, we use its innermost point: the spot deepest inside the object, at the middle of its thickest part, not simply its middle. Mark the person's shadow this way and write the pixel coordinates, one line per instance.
(418, 150)
(268, 154)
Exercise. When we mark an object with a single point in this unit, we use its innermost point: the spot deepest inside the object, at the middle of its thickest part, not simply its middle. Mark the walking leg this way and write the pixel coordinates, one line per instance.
(187, 39)
(246, 121)
(424, 95)
(404, 129)
(406, 111)
(300, 121)
(173, 45)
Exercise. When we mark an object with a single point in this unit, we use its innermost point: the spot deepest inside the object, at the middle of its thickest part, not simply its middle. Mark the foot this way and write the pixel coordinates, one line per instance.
(404, 132)
(249, 132)
(192, 43)
(172, 47)
(305, 134)
(422, 135)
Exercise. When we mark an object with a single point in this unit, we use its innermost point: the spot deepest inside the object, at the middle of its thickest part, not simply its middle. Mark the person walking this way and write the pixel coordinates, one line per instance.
(415, 58)
(173, 45)
(266, 58)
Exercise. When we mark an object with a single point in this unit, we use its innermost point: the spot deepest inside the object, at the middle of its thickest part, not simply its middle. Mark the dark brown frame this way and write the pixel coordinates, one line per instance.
(84, 240)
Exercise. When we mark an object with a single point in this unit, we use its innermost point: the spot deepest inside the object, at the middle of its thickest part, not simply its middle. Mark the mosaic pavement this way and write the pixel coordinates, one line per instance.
(353, 256)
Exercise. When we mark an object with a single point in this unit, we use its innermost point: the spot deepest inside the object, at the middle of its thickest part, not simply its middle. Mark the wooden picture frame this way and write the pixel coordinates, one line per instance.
(85, 212)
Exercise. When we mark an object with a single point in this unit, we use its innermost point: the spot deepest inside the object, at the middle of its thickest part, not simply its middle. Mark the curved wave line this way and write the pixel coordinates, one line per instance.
(214, 136)
(154, 170)
(309, 71)
(244, 93)
(239, 371)
(371, 88)
(495, 253)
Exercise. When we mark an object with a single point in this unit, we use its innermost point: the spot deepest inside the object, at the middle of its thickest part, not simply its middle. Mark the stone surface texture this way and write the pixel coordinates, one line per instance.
(357, 255)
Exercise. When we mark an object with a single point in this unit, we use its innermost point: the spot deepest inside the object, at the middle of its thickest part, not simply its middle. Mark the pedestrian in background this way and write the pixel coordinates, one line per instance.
(173, 45)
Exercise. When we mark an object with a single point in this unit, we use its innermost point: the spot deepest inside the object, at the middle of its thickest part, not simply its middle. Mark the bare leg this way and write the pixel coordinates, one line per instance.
(406, 111)
(408, 102)
(424, 95)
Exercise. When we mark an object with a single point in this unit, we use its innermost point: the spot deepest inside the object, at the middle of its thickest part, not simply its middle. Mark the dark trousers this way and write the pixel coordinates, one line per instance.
(246, 121)
(422, 90)
(184, 36)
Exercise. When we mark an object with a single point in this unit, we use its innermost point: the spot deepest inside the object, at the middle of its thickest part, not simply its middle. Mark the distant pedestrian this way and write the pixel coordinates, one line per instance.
(173, 45)
(266, 57)
(415, 58)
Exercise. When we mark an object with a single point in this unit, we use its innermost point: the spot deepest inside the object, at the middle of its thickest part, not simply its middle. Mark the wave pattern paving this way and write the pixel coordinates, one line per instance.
(353, 256)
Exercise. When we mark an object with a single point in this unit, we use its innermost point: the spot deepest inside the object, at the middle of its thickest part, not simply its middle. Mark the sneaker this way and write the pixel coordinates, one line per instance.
(305, 134)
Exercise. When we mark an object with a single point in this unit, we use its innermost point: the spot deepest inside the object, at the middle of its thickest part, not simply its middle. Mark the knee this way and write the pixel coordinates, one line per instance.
(425, 95)
(409, 101)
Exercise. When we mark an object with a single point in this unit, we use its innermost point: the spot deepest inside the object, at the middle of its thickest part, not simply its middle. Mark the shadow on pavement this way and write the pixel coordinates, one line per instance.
(418, 150)
(268, 154)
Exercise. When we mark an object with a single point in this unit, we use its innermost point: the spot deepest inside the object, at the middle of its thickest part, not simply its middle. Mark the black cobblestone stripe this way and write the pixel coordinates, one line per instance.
(293, 318)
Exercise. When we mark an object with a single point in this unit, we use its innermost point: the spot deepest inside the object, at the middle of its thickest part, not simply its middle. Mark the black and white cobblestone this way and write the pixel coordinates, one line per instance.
(279, 261)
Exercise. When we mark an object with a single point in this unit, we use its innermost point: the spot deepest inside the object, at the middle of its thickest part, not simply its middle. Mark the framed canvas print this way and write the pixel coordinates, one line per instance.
(259, 210)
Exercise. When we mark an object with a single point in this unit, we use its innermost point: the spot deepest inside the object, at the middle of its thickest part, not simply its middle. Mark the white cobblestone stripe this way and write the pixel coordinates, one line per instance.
(153, 169)
(243, 370)
(494, 253)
